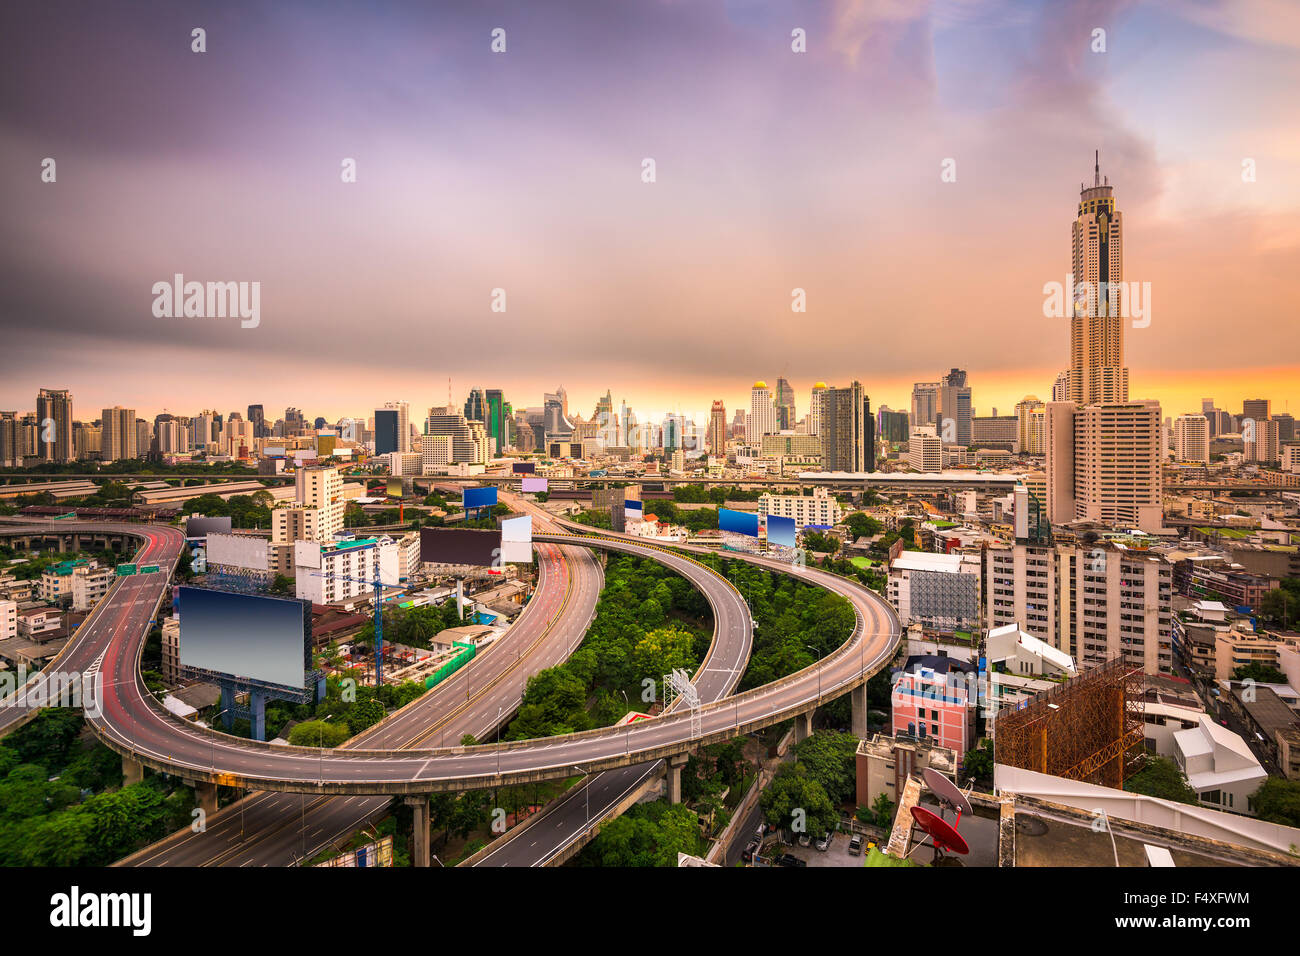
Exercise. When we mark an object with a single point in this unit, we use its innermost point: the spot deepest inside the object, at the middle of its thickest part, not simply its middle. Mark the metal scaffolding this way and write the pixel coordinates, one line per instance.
(1089, 728)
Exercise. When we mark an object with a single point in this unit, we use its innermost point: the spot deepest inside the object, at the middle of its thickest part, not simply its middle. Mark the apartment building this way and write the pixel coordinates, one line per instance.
(1192, 438)
(819, 508)
(1091, 601)
(344, 569)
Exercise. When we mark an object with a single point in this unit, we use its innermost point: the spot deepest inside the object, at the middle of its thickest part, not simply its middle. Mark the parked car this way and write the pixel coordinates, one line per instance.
(789, 859)
(805, 839)
(760, 831)
(855, 844)
(824, 841)
(750, 849)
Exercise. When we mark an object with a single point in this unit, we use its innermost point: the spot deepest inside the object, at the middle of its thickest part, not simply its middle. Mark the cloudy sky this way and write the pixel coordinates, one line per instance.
(522, 171)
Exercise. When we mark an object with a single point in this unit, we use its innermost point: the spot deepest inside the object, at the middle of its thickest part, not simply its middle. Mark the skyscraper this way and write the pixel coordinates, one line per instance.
(785, 411)
(54, 425)
(258, 417)
(718, 429)
(1097, 372)
(1256, 409)
(387, 431)
(762, 413)
(925, 403)
(954, 405)
(848, 435)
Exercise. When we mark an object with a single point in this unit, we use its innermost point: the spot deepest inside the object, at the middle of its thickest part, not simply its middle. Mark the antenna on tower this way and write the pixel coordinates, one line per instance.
(1096, 169)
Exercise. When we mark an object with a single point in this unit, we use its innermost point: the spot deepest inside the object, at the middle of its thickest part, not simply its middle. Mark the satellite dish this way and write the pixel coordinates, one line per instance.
(942, 834)
(947, 792)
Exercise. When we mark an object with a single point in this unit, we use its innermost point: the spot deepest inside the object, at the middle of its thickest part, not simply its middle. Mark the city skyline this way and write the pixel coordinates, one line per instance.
(692, 275)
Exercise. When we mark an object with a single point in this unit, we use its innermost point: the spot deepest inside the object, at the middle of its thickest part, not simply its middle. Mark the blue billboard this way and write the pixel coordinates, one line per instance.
(480, 497)
(780, 531)
(738, 522)
(630, 505)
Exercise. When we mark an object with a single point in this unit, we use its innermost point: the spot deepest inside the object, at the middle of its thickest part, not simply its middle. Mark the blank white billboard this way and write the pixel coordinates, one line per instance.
(517, 540)
(306, 554)
(238, 551)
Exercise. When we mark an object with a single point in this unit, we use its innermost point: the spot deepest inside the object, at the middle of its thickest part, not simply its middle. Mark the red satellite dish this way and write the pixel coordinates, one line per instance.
(941, 832)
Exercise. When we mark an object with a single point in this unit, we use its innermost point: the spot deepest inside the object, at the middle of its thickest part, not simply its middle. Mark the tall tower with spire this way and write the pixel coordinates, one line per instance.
(1097, 372)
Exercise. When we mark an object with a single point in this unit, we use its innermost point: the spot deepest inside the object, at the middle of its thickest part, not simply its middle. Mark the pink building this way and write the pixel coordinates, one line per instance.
(933, 699)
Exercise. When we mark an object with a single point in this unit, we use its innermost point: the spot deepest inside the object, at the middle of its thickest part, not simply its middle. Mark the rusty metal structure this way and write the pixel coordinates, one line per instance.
(1089, 728)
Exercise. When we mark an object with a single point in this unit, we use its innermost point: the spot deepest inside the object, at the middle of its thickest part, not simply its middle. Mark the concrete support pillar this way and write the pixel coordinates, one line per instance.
(802, 726)
(419, 804)
(132, 771)
(206, 795)
(228, 706)
(675, 765)
(257, 714)
(858, 697)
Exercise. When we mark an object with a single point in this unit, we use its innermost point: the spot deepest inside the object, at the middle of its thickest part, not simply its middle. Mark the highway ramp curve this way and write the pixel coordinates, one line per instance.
(131, 724)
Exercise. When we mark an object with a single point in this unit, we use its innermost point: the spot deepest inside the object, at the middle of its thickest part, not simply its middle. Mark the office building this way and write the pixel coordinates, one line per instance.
(388, 431)
(925, 451)
(892, 426)
(1097, 372)
(995, 431)
(469, 439)
(954, 405)
(1256, 409)
(785, 410)
(925, 403)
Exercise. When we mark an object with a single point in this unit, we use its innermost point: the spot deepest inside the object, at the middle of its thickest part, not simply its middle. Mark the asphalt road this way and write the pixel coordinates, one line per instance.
(129, 605)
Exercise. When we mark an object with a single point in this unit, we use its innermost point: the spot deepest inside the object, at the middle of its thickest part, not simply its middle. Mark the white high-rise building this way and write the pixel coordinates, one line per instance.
(762, 414)
(1192, 438)
(925, 450)
(815, 408)
(1104, 463)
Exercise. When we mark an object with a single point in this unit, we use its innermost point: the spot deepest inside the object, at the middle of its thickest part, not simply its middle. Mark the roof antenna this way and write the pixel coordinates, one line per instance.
(1096, 169)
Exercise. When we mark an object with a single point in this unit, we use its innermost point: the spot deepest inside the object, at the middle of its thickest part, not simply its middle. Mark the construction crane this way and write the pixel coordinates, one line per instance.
(378, 585)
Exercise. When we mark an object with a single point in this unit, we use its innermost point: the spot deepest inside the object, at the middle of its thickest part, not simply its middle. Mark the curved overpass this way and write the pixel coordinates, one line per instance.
(131, 725)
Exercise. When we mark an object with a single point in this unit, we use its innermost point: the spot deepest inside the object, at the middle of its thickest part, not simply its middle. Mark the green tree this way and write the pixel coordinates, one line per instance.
(1161, 777)
(318, 733)
(978, 762)
(830, 757)
(1278, 801)
(795, 796)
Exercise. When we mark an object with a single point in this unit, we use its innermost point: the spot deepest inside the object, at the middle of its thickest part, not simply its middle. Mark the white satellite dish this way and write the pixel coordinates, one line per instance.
(946, 791)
